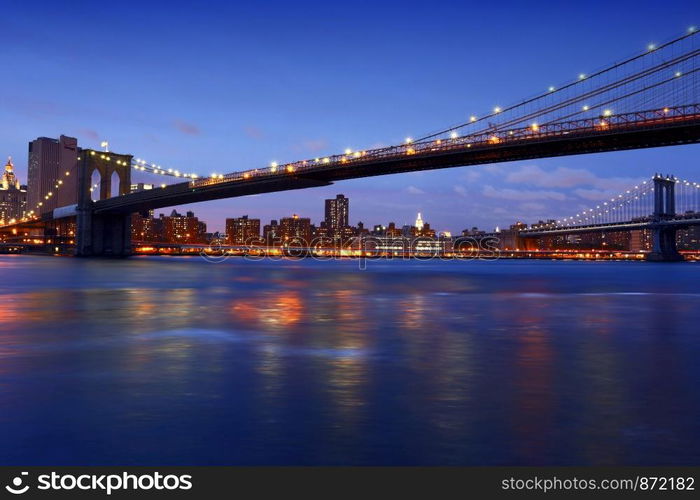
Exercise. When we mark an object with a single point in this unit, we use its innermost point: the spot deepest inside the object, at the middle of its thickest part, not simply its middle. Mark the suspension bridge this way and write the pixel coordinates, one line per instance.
(661, 205)
(651, 99)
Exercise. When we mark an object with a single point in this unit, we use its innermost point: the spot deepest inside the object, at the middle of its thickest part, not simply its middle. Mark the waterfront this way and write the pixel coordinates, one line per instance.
(175, 360)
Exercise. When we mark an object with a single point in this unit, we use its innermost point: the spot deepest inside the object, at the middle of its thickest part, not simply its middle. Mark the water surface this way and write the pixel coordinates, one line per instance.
(180, 361)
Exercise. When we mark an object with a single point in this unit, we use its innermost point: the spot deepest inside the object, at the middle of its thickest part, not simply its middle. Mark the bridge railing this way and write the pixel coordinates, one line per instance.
(497, 137)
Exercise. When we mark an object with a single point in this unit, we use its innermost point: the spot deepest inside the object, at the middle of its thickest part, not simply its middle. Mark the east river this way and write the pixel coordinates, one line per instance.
(176, 360)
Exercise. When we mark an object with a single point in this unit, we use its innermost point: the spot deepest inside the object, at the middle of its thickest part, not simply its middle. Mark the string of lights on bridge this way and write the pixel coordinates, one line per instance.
(492, 133)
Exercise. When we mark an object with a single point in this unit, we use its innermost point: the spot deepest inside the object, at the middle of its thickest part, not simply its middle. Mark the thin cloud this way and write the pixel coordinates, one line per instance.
(532, 206)
(522, 194)
(564, 177)
(316, 145)
(254, 132)
(414, 190)
(595, 194)
(186, 128)
(89, 133)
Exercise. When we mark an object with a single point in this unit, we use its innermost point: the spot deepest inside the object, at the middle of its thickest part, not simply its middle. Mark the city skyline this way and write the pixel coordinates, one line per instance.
(286, 104)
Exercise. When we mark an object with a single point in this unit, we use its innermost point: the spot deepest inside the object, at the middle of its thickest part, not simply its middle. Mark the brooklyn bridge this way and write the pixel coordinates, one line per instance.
(649, 100)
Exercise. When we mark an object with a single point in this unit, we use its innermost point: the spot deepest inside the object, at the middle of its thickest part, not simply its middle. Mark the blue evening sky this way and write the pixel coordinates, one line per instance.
(224, 86)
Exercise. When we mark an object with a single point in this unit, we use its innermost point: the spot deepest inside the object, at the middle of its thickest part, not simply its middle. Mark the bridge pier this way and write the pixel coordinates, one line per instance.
(664, 245)
(103, 235)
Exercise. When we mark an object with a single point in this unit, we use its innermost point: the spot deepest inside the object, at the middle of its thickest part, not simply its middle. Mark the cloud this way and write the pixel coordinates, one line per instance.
(414, 190)
(460, 190)
(564, 177)
(310, 146)
(595, 194)
(186, 128)
(254, 132)
(315, 145)
(522, 194)
(89, 133)
(33, 107)
(532, 206)
(472, 175)
(493, 169)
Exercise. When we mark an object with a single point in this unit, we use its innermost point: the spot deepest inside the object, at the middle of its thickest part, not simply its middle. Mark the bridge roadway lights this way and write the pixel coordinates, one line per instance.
(103, 235)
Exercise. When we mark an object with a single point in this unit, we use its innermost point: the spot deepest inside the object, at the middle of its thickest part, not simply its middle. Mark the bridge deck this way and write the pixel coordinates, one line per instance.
(664, 127)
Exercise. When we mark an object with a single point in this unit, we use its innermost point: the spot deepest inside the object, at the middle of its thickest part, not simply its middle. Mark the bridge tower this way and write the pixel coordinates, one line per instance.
(106, 235)
(664, 237)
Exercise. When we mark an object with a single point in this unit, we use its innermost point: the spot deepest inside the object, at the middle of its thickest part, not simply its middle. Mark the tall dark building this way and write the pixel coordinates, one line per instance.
(242, 231)
(337, 214)
(49, 160)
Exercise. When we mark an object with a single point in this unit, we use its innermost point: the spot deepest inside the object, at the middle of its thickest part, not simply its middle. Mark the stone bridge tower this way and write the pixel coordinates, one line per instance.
(102, 234)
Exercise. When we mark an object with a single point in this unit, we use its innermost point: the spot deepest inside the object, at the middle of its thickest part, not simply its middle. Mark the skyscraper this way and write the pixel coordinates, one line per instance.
(337, 214)
(13, 196)
(49, 160)
(419, 223)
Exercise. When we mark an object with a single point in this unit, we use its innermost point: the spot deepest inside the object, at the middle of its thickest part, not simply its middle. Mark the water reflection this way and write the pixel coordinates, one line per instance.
(178, 361)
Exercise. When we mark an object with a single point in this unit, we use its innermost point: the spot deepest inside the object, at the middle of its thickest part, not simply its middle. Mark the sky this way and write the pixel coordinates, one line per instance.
(226, 86)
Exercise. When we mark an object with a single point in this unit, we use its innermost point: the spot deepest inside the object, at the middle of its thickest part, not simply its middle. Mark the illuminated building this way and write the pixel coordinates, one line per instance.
(378, 230)
(179, 228)
(242, 230)
(145, 228)
(271, 233)
(13, 196)
(295, 228)
(419, 223)
(337, 214)
(474, 231)
(689, 238)
(509, 239)
(426, 231)
(391, 230)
